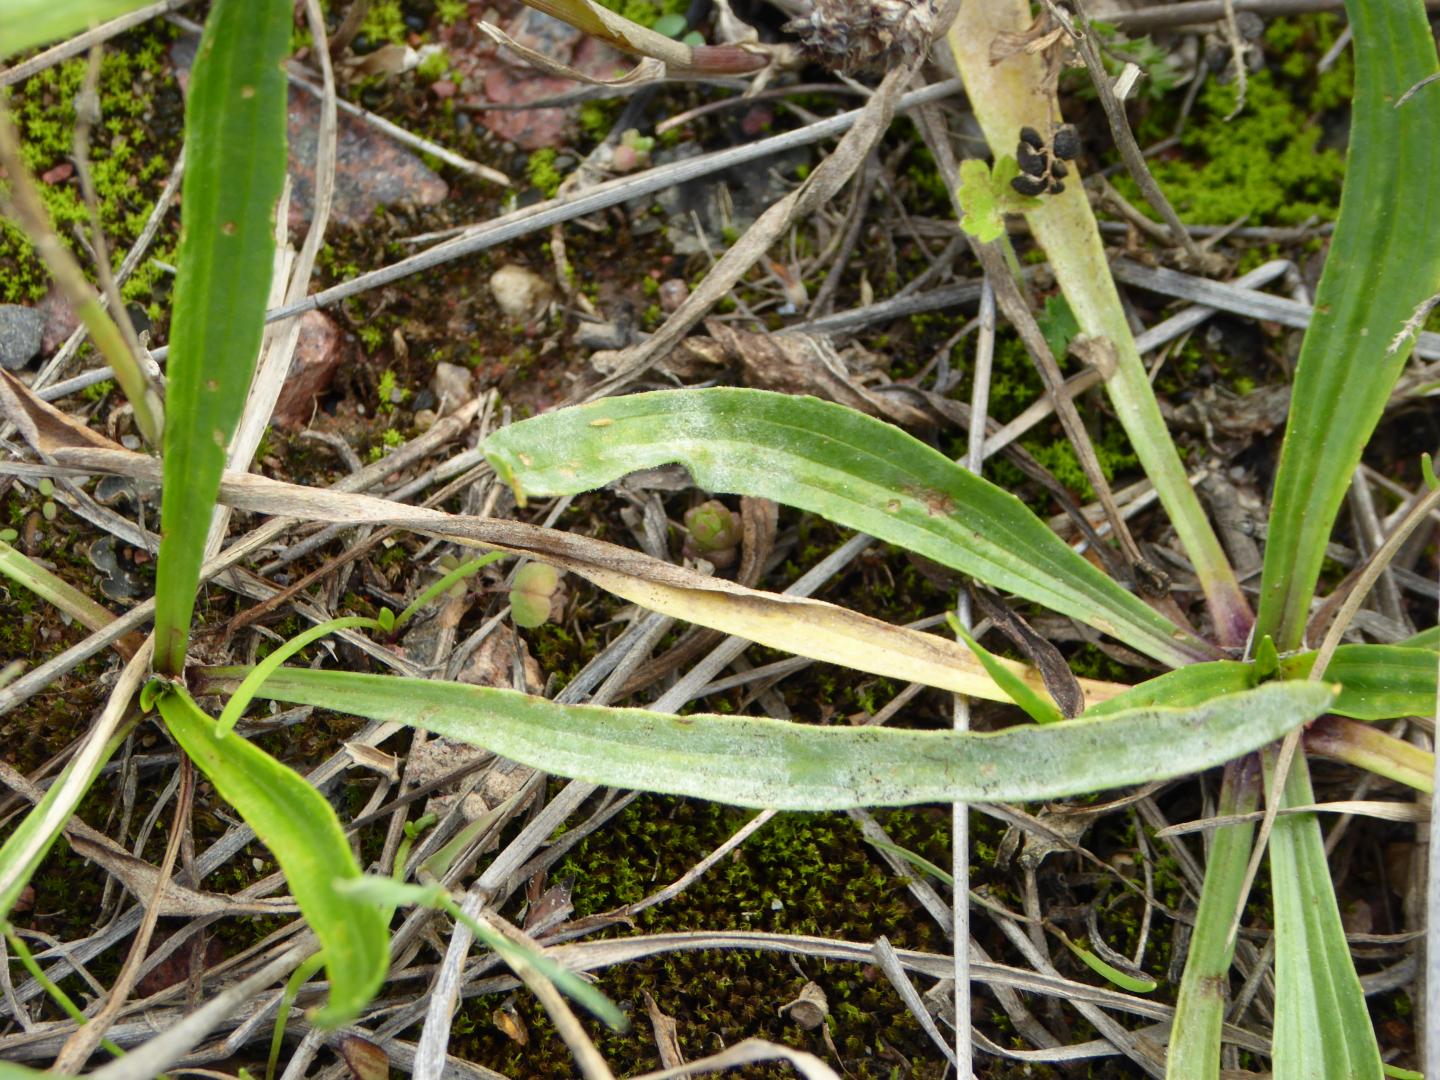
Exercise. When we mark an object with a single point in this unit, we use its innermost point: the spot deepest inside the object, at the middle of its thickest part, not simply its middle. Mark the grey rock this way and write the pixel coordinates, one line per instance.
(520, 293)
(452, 385)
(21, 331)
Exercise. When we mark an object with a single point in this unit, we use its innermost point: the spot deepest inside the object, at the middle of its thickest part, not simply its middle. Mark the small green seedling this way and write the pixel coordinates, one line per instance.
(533, 594)
(714, 533)
(986, 196)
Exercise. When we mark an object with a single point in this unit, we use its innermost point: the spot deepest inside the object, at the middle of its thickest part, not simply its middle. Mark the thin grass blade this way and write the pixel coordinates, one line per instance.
(846, 466)
(235, 167)
(803, 767)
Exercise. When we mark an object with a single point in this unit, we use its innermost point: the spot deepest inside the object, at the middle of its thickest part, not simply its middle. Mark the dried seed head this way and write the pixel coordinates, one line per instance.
(1067, 142)
(1058, 169)
(1028, 185)
(1030, 137)
(854, 35)
(1029, 161)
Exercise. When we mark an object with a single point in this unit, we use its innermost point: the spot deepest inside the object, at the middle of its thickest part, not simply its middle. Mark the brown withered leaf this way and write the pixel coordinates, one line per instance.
(364, 1059)
(551, 907)
(508, 1019)
(667, 1039)
(42, 425)
(1059, 679)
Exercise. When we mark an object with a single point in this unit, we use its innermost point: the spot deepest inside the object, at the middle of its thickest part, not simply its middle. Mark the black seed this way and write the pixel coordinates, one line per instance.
(1058, 169)
(1032, 137)
(1056, 188)
(1030, 162)
(1067, 142)
(1028, 185)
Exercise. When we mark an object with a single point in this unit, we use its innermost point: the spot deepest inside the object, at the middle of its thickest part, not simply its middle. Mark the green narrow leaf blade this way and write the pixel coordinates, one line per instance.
(1108, 971)
(27, 23)
(1036, 707)
(1322, 1024)
(1377, 682)
(392, 893)
(851, 468)
(1194, 1049)
(1383, 263)
(235, 167)
(804, 767)
(301, 830)
(1180, 689)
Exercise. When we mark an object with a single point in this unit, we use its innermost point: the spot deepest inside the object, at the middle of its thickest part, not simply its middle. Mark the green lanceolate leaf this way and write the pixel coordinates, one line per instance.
(27, 23)
(839, 463)
(1322, 1025)
(1426, 639)
(235, 166)
(1181, 689)
(1377, 682)
(1384, 261)
(1380, 682)
(295, 822)
(803, 767)
(10, 1071)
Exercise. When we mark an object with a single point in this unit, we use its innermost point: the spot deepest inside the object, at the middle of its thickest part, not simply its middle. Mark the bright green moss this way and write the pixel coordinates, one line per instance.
(645, 12)
(126, 163)
(1267, 162)
(385, 22)
(543, 173)
(434, 67)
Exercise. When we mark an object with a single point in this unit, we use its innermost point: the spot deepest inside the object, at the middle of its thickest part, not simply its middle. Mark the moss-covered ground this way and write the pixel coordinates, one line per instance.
(1279, 162)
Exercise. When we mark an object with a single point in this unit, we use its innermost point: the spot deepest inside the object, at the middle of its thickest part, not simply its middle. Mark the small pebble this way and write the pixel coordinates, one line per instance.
(673, 292)
(452, 385)
(521, 293)
(625, 159)
(22, 330)
(443, 88)
(58, 174)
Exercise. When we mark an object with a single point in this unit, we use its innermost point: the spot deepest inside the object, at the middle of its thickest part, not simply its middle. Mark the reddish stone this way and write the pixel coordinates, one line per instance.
(498, 76)
(60, 321)
(370, 169)
(756, 121)
(59, 173)
(319, 352)
(443, 88)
